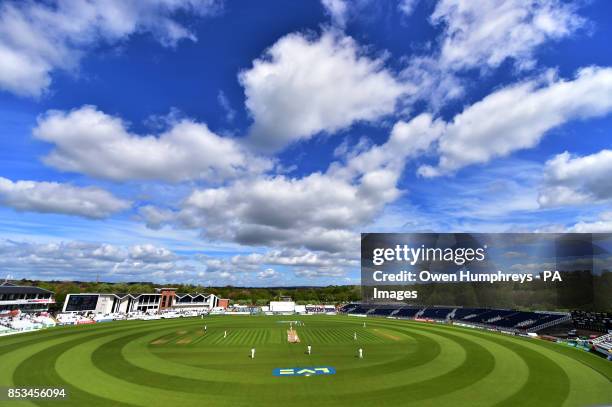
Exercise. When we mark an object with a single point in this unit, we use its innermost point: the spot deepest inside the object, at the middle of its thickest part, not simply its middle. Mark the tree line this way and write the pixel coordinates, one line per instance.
(243, 295)
(579, 290)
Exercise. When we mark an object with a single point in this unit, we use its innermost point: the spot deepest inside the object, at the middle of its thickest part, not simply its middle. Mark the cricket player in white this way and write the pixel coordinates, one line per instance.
(360, 353)
(252, 353)
(355, 336)
(309, 349)
(225, 334)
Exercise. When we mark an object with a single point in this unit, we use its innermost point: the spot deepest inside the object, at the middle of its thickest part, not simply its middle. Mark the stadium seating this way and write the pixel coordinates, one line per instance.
(436, 313)
(592, 321)
(362, 309)
(21, 323)
(407, 312)
(503, 319)
(491, 316)
(383, 311)
(542, 319)
(462, 313)
(517, 318)
(347, 308)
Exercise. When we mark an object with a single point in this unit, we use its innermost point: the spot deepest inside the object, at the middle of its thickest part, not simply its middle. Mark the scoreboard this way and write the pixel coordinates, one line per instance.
(82, 303)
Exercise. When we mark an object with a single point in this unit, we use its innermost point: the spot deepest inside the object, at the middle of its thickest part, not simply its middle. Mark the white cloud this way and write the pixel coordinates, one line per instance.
(268, 274)
(407, 140)
(517, 117)
(84, 260)
(601, 225)
(218, 265)
(320, 212)
(433, 84)
(571, 180)
(223, 270)
(91, 142)
(53, 197)
(155, 217)
(149, 253)
(37, 38)
(315, 211)
(305, 86)
(483, 34)
(296, 258)
(338, 10)
(321, 273)
(248, 268)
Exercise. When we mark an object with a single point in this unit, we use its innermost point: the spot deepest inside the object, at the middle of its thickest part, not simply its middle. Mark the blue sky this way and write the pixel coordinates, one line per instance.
(249, 143)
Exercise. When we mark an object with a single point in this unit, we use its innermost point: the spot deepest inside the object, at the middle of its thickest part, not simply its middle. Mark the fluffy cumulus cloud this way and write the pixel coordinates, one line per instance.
(77, 260)
(264, 266)
(53, 197)
(301, 263)
(92, 142)
(571, 180)
(484, 33)
(268, 274)
(316, 211)
(38, 37)
(303, 86)
(320, 211)
(334, 272)
(407, 140)
(222, 270)
(601, 225)
(296, 258)
(149, 253)
(228, 266)
(517, 117)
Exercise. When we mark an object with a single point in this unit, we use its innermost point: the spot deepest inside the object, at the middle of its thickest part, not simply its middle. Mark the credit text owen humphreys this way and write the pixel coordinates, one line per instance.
(458, 256)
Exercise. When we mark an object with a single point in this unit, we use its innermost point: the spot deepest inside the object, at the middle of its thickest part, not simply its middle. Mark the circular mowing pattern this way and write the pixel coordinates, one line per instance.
(150, 363)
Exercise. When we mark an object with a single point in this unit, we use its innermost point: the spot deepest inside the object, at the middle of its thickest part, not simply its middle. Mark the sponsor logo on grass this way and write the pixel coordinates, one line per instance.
(303, 371)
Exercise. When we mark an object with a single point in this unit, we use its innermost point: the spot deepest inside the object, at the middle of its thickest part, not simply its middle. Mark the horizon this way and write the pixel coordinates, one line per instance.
(249, 144)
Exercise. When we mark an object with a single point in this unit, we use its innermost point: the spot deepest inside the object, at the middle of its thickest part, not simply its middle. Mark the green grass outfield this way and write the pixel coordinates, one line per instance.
(172, 362)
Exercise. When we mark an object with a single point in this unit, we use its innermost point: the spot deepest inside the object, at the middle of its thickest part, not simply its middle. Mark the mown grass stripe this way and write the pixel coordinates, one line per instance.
(76, 360)
(425, 365)
(39, 370)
